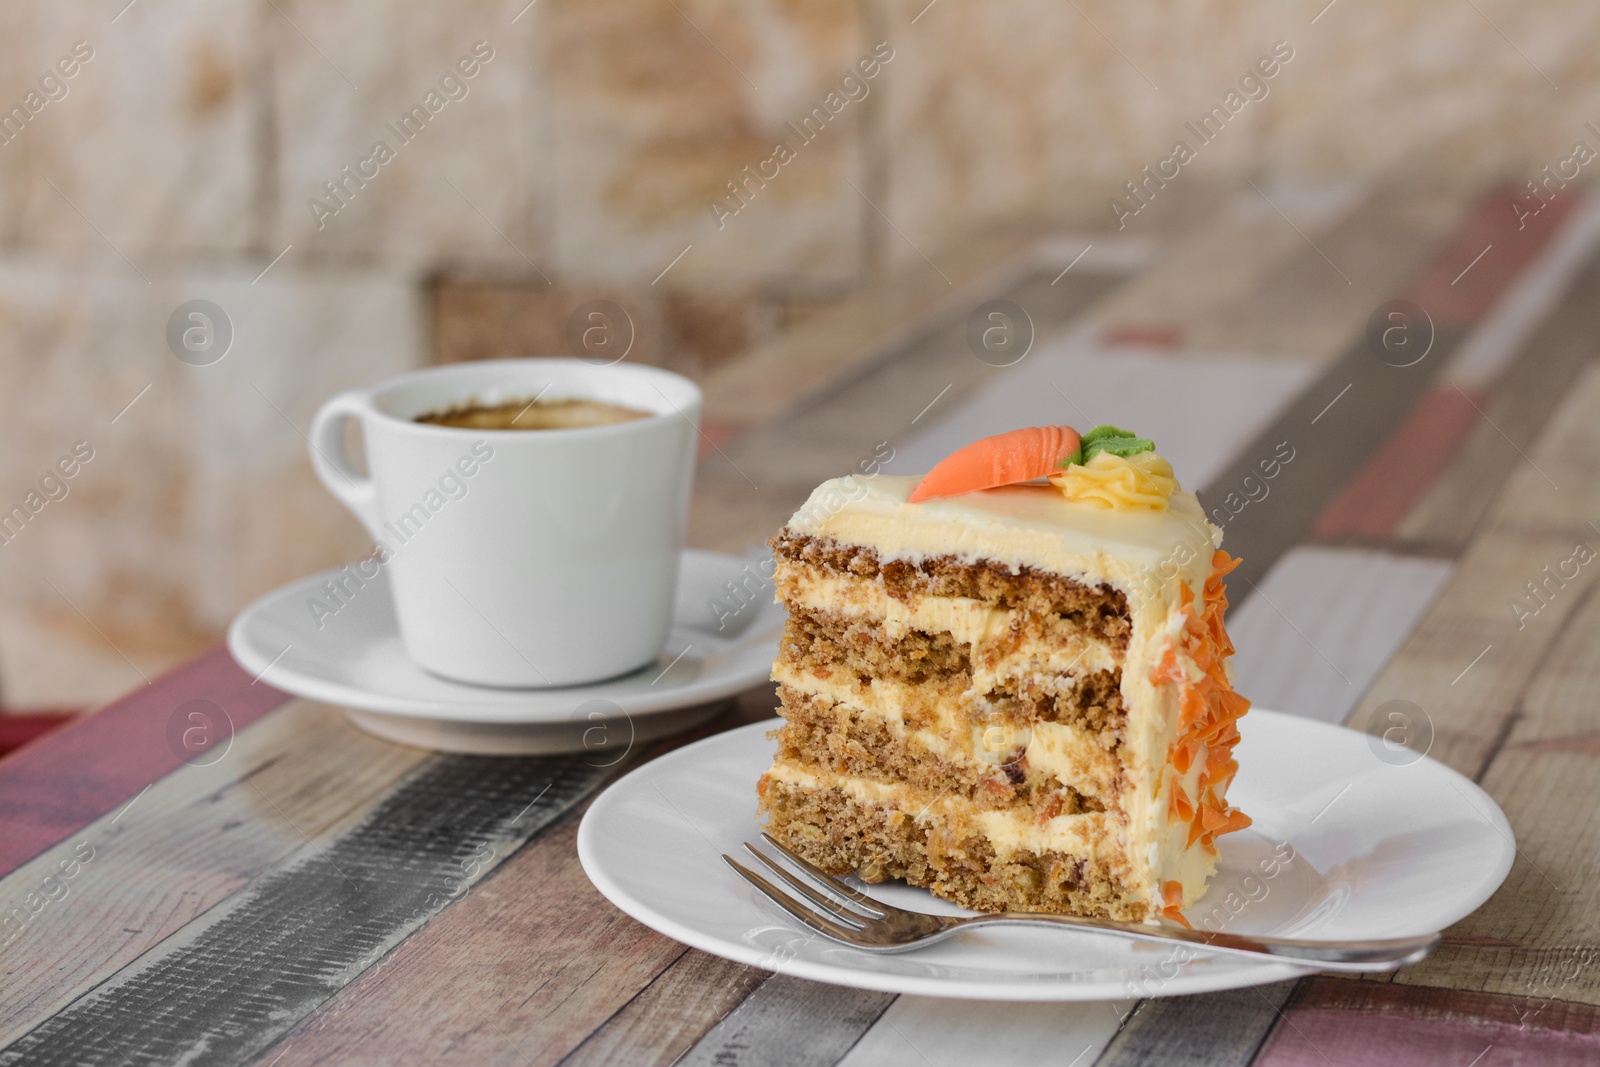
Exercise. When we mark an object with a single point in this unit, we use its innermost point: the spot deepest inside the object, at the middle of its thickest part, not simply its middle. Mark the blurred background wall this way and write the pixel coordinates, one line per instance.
(216, 151)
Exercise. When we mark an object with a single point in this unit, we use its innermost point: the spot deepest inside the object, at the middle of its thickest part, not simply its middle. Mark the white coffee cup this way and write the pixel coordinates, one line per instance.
(521, 557)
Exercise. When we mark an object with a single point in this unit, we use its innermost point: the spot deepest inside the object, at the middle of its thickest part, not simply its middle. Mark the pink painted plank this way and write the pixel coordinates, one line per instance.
(1454, 298)
(1375, 501)
(1150, 336)
(714, 434)
(18, 729)
(64, 781)
(1370, 1024)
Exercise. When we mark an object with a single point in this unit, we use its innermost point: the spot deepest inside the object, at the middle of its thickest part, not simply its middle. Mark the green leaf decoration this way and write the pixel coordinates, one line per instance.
(1111, 439)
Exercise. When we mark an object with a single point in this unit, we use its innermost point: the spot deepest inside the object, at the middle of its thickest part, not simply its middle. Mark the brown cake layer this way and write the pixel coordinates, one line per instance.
(826, 737)
(1099, 610)
(823, 643)
(879, 842)
(1092, 703)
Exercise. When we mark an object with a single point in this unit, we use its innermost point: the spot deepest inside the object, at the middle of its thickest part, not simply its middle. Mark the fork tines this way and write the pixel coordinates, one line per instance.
(848, 912)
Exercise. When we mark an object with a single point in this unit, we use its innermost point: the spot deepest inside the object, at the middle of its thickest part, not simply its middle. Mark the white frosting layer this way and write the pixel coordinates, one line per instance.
(1019, 525)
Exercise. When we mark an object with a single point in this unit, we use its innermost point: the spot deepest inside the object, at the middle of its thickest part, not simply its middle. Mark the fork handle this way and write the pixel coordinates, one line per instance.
(1385, 954)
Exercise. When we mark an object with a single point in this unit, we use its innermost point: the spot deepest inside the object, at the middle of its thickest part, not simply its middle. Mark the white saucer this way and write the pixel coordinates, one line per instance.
(355, 660)
(1379, 850)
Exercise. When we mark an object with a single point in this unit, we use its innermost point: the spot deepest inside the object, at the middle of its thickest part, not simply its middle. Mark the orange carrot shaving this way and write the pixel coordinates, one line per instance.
(1211, 818)
(1181, 809)
(1208, 711)
(1234, 820)
(1169, 669)
(1004, 459)
(1172, 900)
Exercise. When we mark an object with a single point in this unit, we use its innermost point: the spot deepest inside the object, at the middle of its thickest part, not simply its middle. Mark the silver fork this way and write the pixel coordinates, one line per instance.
(847, 915)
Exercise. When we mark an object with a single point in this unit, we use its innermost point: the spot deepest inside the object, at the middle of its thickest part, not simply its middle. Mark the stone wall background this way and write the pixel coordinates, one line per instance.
(581, 162)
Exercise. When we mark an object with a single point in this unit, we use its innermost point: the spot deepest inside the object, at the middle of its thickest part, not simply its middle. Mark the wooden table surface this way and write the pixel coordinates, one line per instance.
(307, 894)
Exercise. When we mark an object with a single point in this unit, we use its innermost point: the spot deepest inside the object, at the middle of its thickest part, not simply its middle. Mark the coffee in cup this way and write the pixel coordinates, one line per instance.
(564, 413)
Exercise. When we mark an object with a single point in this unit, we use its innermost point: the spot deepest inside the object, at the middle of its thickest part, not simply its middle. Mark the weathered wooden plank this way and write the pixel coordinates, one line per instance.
(229, 984)
(1207, 1030)
(60, 785)
(670, 1014)
(927, 1032)
(792, 1022)
(1370, 1024)
(163, 859)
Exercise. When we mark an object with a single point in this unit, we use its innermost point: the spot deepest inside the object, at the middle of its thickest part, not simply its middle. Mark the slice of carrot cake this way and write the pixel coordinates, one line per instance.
(1016, 695)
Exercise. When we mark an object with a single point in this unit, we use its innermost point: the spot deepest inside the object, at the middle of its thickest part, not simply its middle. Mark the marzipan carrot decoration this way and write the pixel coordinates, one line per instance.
(1004, 459)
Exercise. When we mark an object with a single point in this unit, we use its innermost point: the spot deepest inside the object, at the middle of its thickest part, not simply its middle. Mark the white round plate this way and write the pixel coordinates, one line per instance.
(355, 660)
(1379, 850)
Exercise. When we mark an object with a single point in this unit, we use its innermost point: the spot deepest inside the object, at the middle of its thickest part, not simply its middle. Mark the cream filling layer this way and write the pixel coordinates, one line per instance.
(1077, 758)
(1095, 835)
(969, 621)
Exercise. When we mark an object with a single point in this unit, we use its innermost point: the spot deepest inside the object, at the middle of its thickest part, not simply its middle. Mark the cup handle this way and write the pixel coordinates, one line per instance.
(354, 489)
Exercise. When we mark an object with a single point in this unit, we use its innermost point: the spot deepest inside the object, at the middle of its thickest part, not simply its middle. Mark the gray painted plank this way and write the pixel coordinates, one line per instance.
(1209, 1030)
(790, 1022)
(669, 1015)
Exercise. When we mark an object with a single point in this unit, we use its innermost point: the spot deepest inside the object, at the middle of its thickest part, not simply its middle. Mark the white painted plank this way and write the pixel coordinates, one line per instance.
(928, 1032)
(1199, 409)
(1323, 624)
